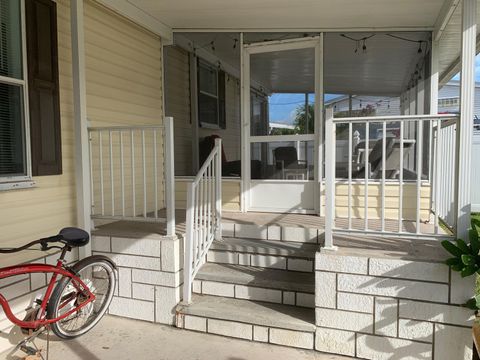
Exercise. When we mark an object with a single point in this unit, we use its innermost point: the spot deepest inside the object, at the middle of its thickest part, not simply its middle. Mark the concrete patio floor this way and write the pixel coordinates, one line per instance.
(116, 338)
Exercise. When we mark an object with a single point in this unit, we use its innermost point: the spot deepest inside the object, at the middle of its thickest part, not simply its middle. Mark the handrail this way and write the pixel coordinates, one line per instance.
(128, 167)
(445, 172)
(204, 216)
(394, 118)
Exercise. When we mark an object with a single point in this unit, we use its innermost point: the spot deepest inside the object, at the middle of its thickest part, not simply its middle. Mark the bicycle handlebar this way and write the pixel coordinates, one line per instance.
(43, 242)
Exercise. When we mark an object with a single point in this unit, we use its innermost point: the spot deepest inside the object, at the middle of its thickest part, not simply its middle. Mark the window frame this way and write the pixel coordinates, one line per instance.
(211, 67)
(21, 181)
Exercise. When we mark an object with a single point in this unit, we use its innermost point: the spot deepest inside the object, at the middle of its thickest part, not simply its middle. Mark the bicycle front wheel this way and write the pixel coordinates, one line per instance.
(98, 274)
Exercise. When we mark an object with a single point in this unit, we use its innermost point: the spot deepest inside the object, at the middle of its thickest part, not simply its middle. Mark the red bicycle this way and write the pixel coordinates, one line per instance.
(76, 297)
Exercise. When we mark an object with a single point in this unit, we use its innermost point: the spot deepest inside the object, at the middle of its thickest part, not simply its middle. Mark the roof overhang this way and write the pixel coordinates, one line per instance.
(442, 17)
(298, 15)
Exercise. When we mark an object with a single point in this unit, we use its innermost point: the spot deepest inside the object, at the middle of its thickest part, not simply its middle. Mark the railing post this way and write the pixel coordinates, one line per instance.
(188, 255)
(330, 137)
(218, 189)
(169, 176)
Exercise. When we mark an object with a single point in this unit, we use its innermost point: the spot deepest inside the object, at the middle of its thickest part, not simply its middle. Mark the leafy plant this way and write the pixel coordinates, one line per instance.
(466, 258)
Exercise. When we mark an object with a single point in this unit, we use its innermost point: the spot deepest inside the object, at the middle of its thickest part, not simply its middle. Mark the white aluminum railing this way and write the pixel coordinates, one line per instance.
(204, 216)
(363, 223)
(444, 172)
(132, 173)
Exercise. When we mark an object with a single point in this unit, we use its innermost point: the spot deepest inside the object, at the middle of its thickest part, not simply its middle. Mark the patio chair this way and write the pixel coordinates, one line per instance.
(229, 168)
(286, 160)
(374, 158)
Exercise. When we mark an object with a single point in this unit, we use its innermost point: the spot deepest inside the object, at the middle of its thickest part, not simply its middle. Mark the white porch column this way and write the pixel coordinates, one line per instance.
(434, 79)
(245, 125)
(465, 129)
(330, 137)
(82, 161)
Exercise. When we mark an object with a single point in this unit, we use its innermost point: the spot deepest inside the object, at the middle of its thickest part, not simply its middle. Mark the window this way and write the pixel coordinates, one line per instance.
(29, 135)
(449, 102)
(14, 160)
(211, 96)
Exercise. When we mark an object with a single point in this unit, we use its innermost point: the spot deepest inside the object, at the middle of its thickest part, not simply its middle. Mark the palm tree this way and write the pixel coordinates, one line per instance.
(301, 119)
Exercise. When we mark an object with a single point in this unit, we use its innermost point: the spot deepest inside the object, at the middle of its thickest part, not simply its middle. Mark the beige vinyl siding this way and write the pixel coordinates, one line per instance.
(231, 134)
(29, 214)
(392, 201)
(124, 87)
(230, 194)
(177, 104)
(123, 70)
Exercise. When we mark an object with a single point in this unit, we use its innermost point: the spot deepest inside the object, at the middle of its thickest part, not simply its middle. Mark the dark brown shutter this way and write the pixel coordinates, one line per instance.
(222, 116)
(43, 88)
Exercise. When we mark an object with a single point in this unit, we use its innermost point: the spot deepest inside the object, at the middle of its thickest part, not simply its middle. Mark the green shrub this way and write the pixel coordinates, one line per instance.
(466, 258)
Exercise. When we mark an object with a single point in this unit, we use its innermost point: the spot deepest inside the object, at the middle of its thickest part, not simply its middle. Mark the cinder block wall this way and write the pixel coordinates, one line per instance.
(387, 308)
(149, 276)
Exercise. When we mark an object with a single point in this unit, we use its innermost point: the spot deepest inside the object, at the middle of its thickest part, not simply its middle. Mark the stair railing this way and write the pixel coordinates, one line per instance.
(204, 216)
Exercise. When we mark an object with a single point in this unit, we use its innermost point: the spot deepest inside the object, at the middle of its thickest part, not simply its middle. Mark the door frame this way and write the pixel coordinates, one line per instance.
(281, 45)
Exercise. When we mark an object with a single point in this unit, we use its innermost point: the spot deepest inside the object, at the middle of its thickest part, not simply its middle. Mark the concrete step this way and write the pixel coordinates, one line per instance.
(306, 233)
(260, 284)
(263, 253)
(244, 319)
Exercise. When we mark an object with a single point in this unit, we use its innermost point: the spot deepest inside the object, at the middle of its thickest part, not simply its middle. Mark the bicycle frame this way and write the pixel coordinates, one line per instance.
(56, 270)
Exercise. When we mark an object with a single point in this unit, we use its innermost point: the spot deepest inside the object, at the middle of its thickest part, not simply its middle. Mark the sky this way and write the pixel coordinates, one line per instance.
(283, 106)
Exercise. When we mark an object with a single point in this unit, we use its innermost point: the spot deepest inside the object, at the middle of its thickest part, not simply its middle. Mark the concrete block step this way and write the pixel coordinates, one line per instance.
(244, 319)
(263, 253)
(259, 284)
(280, 232)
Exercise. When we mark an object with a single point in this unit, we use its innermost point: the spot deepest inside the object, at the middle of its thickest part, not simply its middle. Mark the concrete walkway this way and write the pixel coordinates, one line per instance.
(123, 339)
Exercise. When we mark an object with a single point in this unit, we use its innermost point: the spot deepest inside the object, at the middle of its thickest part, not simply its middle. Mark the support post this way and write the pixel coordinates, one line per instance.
(245, 124)
(433, 109)
(330, 137)
(218, 189)
(434, 79)
(189, 240)
(82, 155)
(465, 128)
(169, 176)
(319, 124)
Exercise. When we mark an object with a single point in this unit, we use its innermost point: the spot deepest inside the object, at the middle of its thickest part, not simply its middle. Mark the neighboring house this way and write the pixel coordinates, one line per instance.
(448, 102)
(325, 238)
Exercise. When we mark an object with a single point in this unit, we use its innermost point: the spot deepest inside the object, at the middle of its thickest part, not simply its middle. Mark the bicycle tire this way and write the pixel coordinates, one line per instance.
(55, 300)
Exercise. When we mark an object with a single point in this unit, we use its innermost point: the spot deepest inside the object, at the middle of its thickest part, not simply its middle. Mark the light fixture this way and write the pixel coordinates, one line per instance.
(363, 40)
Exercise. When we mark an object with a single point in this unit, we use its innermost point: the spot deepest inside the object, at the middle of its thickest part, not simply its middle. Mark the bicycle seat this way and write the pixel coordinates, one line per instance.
(74, 237)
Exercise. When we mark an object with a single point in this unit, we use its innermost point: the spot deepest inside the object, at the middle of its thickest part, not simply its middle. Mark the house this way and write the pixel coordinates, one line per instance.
(148, 124)
(448, 101)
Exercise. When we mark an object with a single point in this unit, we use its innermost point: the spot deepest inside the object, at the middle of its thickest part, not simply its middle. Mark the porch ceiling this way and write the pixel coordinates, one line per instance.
(300, 14)
(381, 70)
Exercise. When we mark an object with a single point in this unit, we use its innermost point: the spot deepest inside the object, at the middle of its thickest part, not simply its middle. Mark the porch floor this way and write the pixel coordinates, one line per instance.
(358, 244)
(117, 338)
(314, 221)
